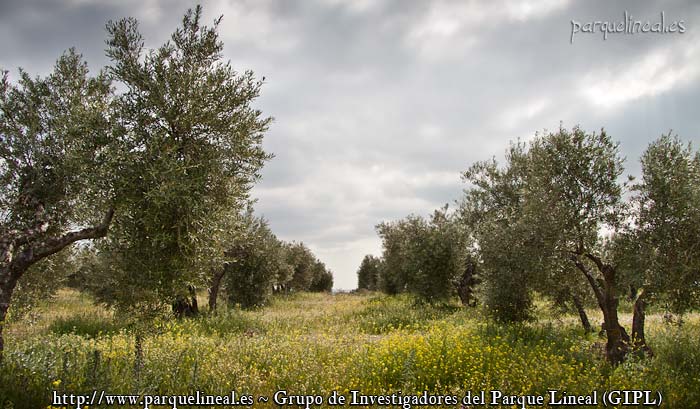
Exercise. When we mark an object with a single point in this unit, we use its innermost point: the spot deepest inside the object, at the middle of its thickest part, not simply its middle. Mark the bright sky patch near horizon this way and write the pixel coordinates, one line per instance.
(379, 105)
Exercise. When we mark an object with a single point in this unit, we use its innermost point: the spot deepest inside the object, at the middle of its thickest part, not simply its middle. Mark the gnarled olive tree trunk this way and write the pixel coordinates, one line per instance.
(581, 312)
(618, 341)
(215, 287)
(20, 250)
(638, 318)
(465, 287)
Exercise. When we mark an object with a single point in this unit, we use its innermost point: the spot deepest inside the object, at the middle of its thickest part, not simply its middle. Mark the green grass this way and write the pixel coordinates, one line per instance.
(87, 325)
(319, 343)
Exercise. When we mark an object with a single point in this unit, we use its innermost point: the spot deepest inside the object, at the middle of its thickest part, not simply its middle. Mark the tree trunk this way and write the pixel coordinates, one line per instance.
(186, 307)
(638, 319)
(214, 289)
(633, 293)
(9, 275)
(4, 307)
(582, 313)
(465, 288)
(193, 300)
(618, 340)
(19, 250)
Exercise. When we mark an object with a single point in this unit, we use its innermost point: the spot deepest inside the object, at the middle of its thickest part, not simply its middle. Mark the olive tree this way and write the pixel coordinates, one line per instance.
(54, 167)
(256, 259)
(426, 257)
(193, 146)
(368, 273)
(539, 221)
(554, 219)
(667, 221)
(322, 278)
(572, 193)
(492, 210)
(302, 261)
(442, 262)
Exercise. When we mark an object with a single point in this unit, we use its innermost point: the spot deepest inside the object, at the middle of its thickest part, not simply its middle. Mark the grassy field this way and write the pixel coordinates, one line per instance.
(320, 343)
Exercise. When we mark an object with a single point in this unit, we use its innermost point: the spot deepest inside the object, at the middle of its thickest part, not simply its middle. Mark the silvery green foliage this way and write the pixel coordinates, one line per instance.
(492, 209)
(55, 175)
(668, 223)
(425, 257)
(192, 149)
(255, 261)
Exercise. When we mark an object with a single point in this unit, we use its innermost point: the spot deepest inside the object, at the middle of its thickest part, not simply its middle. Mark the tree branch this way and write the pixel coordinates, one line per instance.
(607, 270)
(53, 245)
(598, 262)
(591, 280)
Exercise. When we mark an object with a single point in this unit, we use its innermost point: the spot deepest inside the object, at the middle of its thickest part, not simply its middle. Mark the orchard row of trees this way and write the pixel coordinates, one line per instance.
(557, 219)
(160, 171)
(260, 264)
(257, 265)
(428, 257)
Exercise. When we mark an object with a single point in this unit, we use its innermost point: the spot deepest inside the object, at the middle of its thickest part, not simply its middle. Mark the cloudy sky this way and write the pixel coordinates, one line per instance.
(379, 105)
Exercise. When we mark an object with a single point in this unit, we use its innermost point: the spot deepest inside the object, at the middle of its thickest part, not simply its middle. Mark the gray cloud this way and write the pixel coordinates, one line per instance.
(379, 105)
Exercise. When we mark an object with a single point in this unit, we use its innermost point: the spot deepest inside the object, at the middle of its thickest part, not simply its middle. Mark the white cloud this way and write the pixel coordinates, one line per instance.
(349, 254)
(523, 112)
(443, 31)
(449, 28)
(523, 10)
(357, 188)
(658, 72)
(253, 23)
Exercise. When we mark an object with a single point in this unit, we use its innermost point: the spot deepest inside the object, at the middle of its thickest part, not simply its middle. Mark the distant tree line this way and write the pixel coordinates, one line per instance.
(260, 264)
(257, 265)
(558, 219)
(431, 258)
